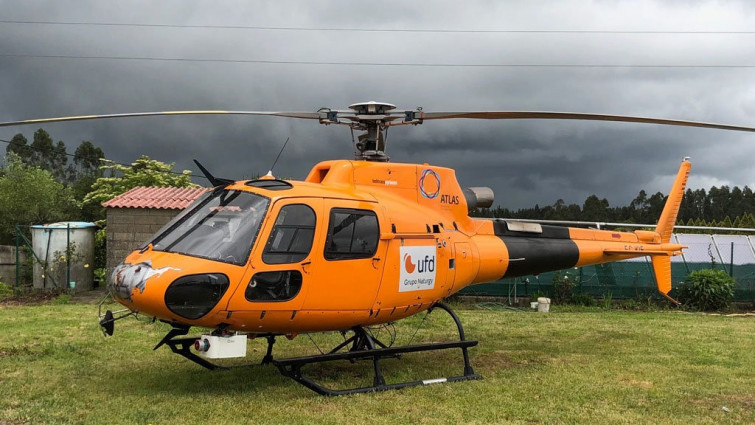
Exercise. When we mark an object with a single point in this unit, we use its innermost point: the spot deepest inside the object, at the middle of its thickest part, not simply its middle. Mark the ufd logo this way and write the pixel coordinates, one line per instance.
(426, 264)
(417, 270)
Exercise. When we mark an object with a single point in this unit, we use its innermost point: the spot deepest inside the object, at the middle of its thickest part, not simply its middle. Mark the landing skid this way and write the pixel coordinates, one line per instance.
(292, 367)
(362, 346)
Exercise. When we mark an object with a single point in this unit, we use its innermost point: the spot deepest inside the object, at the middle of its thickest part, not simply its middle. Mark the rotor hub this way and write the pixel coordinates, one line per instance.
(372, 107)
(373, 119)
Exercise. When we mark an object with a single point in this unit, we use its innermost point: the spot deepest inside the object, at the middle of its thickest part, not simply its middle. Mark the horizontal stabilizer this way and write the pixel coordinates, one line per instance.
(663, 250)
(645, 252)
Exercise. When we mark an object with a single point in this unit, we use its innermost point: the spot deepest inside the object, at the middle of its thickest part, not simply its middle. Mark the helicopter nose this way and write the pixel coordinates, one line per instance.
(130, 279)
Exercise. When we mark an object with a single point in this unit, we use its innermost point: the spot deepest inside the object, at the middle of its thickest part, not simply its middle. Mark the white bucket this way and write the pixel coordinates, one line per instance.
(543, 305)
(533, 304)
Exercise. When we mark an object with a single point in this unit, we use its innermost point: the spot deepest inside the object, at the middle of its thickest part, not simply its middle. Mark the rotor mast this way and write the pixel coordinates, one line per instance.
(373, 119)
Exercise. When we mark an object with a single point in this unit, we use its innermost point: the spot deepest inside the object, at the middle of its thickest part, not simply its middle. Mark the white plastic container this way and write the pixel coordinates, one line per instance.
(533, 304)
(51, 243)
(543, 305)
(221, 347)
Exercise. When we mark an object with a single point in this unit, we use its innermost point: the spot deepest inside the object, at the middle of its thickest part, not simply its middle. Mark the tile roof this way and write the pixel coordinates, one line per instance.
(169, 198)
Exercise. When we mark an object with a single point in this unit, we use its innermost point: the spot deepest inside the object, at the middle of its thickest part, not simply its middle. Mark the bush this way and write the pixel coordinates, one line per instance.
(606, 300)
(583, 300)
(706, 290)
(643, 301)
(100, 276)
(6, 291)
(537, 294)
(61, 299)
(563, 288)
(632, 304)
(100, 247)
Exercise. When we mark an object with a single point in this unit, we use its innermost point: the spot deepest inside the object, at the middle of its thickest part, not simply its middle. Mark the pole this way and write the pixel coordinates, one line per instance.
(68, 254)
(731, 261)
(580, 281)
(18, 265)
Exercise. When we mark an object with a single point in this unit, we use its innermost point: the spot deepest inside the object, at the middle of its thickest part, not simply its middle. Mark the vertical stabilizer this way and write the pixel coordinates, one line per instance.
(671, 210)
(662, 263)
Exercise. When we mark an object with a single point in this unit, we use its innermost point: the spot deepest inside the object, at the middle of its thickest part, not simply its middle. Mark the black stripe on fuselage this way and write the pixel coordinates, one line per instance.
(534, 253)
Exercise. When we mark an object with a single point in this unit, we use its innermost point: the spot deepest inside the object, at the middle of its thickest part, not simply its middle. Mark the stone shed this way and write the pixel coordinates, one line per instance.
(133, 217)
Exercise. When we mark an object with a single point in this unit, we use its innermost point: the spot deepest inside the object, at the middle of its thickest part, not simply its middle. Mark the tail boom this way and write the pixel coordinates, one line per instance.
(512, 249)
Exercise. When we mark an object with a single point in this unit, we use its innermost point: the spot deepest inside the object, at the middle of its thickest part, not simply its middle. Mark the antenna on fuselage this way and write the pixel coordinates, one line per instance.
(270, 173)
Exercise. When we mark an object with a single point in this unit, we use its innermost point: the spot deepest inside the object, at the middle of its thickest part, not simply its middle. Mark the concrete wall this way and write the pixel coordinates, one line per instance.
(128, 228)
(8, 264)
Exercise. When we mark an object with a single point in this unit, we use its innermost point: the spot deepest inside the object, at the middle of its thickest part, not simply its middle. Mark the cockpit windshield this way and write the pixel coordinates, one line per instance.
(221, 226)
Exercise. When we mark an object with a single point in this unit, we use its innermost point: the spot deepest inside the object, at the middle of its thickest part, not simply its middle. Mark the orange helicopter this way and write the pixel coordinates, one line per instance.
(358, 243)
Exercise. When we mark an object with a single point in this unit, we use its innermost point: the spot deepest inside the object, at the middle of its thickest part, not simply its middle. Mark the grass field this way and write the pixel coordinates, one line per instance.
(588, 366)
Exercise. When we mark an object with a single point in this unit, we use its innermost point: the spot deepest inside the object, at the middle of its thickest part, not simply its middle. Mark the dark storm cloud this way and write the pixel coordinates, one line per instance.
(524, 161)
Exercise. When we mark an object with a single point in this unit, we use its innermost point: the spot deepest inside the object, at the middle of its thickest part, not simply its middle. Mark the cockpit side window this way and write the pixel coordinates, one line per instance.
(352, 233)
(290, 240)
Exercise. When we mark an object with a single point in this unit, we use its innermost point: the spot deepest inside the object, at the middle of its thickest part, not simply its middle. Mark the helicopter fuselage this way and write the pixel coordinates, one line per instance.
(356, 243)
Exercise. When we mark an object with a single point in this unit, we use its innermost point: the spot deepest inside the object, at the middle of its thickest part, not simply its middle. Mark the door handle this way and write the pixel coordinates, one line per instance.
(304, 265)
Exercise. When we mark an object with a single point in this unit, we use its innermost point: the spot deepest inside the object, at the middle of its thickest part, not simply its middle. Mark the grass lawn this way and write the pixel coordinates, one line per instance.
(586, 366)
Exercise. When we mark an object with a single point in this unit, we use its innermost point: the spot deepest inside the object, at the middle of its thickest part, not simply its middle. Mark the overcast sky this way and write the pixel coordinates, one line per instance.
(652, 69)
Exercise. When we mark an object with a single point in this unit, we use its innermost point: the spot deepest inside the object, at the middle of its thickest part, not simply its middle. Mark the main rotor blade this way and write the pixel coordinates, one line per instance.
(513, 115)
(489, 115)
(303, 115)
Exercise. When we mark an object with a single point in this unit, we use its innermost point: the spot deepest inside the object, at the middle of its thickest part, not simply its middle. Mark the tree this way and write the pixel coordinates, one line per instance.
(748, 220)
(86, 171)
(726, 222)
(142, 172)
(87, 159)
(655, 207)
(31, 195)
(53, 157)
(736, 202)
(720, 202)
(748, 199)
(48, 155)
(694, 204)
(699, 207)
(595, 209)
(19, 145)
